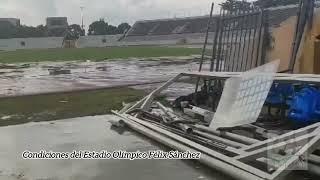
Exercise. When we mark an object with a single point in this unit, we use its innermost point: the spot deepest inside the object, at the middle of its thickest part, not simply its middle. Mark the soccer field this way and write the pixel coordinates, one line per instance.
(95, 54)
(50, 107)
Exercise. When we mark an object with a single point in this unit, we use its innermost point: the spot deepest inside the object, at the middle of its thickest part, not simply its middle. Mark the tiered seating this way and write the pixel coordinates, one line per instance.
(170, 26)
(199, 24)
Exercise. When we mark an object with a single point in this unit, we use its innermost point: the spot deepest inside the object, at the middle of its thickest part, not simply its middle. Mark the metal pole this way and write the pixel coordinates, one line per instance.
(231, 136)
(204, 49)
(82, 22)
(220, 43)
(236, 44)
(259, 39)
(265, 39)
(198, 139)
(249, 40)
(219, 139)
(187, 129)
(206, 38)
(231, 58)
(214, 49)
(229, 44)
(178, 143)
(225, 41)
(246, 22)
(240, 42)
(254, 40)
(204, 158)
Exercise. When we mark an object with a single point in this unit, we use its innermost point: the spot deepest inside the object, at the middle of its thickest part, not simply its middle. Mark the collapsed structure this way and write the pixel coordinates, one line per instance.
(244, 151)
(247, 120)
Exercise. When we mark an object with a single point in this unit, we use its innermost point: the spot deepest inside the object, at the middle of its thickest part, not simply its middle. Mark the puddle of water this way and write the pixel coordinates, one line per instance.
(88, 133)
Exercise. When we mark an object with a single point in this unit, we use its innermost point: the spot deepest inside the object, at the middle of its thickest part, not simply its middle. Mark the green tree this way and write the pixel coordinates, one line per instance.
(123, 27)
(98, 28)
(110, 29)
(76, 31)
(233, 5)
(103, 28)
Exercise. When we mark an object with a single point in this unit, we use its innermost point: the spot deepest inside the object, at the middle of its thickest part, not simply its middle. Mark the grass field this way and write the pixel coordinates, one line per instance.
(96, 54)
(61, 106)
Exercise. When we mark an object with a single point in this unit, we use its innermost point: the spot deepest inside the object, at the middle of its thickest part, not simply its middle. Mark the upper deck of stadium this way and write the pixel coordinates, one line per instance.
(199, 24)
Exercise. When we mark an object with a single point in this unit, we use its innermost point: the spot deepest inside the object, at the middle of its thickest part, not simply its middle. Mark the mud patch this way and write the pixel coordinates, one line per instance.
(90, 75)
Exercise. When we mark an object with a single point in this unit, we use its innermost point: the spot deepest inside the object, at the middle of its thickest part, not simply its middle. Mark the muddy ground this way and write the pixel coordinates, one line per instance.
(91, 133)
(35, 78)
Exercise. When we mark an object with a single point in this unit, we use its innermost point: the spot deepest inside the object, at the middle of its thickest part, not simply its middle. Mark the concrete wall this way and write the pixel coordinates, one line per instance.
(171, 39)
(112, 40)
(98, 41)
(104, 41)
(31, 43)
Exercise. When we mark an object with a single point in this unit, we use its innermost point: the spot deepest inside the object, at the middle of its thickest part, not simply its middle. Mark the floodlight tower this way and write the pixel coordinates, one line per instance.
(82, 9)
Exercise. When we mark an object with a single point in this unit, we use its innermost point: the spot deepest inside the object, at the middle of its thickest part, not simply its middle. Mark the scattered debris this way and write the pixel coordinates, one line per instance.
(243, 150)
(7, 66)
(102, 68)
(6, 117)
(14, 66)
(58, 71)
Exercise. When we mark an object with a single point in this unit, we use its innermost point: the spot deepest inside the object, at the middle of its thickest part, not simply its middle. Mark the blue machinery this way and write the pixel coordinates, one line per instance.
(305, 106)
(300, 105)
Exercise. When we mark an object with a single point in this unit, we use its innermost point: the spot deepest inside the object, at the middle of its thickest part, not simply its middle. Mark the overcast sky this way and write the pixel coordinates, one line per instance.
(34, 12)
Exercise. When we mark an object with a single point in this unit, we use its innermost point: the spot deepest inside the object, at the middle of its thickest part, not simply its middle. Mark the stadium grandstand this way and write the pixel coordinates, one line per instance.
(175, 31)
(192, 29)
(170, 26)
(11, 21)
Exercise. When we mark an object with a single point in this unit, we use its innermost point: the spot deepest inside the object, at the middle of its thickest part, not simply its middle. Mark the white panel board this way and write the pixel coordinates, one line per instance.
(243, 97)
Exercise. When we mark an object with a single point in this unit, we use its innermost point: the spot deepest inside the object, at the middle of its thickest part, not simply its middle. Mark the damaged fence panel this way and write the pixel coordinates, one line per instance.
(243, 97)
(223, 148)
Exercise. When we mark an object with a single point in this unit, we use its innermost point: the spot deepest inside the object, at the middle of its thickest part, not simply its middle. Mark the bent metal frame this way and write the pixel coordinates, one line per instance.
(302, 142)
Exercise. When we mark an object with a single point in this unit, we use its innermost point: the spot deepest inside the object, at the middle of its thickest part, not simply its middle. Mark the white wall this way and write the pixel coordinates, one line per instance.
(172, 39)
(31, 43)
(97, 41)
